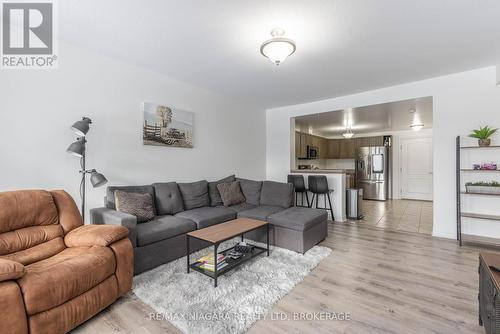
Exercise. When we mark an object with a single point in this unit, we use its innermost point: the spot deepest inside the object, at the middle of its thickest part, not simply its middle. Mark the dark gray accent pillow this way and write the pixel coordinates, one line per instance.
(251, 190)
(276, 194)
(215, 198)
(168, 199)
(231, 193)
(194, 194)
(110, 193)
(139, 205)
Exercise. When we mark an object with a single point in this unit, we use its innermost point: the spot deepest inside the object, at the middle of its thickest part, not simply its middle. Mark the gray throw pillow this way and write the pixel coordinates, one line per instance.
(139, 205)
(251, 190)
(194, 194)
(110, 193)
(214, 192)
(231, 193)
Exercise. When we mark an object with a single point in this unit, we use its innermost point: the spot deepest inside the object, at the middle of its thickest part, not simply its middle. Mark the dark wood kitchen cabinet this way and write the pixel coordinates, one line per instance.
(297, 144)
(333, 148)
(323, 148)
(302, 140)
(347, 149)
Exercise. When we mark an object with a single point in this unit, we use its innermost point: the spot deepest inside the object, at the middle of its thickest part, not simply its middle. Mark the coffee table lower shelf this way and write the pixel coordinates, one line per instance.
(231, 263)
(217, 234)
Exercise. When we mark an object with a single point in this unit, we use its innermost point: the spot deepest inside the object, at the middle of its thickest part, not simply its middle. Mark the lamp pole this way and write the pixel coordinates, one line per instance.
(82, 185)
(77, 148)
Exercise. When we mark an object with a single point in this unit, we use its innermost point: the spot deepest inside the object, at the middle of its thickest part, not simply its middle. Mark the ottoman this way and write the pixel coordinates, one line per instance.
(296, 228)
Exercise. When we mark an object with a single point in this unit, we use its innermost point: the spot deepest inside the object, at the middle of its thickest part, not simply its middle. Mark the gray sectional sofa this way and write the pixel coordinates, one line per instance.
(184, 207)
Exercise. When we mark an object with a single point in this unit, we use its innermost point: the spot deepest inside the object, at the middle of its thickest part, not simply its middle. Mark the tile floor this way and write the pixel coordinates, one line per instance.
(400, 215)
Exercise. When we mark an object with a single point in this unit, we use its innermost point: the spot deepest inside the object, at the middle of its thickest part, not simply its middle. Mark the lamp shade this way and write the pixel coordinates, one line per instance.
(81, 127)
(97, 179)
(77, 148)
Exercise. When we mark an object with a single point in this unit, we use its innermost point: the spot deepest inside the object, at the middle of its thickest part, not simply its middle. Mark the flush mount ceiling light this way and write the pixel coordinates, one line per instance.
(278, 48)
(348, 133)
(416, 125)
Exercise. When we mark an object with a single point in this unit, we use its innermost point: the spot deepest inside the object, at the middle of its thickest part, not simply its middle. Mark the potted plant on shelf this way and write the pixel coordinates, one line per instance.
(483, 135)
(492, 187)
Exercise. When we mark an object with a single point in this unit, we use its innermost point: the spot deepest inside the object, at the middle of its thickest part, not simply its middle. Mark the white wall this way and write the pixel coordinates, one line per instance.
(498, 74)
(38, 107)
(461, 102)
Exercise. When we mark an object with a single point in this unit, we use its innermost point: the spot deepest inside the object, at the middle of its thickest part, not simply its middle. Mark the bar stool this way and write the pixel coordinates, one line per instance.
(299, 186)
(318, 185)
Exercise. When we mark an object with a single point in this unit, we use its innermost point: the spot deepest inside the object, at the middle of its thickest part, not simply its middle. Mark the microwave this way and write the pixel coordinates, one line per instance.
(312, 152)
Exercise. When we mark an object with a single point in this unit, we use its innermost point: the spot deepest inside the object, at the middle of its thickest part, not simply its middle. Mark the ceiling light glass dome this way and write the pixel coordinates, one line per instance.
(278, 48)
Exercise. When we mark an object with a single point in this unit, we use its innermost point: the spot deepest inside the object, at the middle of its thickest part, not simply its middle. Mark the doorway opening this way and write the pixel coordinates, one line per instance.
(385, 149)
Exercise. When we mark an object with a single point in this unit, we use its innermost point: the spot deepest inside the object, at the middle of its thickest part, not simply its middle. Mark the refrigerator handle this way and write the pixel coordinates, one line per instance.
(369, 167)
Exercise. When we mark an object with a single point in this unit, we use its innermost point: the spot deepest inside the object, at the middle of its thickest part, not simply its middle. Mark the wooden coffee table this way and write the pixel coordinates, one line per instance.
(216, 234)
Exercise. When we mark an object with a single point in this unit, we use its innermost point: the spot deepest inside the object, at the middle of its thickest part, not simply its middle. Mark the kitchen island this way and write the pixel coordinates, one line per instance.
(336, 181)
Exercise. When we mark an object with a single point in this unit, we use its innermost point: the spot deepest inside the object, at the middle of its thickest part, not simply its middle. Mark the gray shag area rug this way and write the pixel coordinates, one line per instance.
(243, 296)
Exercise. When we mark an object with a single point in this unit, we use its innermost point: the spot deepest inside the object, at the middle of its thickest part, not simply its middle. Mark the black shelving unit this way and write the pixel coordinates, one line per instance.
(460, 193)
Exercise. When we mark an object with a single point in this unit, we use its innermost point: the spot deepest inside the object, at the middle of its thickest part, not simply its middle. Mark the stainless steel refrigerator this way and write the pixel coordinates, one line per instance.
(373, 172)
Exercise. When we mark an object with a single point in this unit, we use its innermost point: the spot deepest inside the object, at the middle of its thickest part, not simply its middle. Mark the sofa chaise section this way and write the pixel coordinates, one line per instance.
(293, 228)
(298, 229)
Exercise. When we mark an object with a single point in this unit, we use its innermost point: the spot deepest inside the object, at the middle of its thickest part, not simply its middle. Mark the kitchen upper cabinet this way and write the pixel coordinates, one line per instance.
(333, 149)
(303, 140)
(297, 144)
(309, 139)
(323, 148)
(315, 141)
(364, 141)
(377, 141)
(303, 145)
(347, 148)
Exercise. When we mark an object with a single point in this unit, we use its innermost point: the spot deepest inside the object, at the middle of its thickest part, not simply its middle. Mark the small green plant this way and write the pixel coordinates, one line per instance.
(483, 132)
(484, 184)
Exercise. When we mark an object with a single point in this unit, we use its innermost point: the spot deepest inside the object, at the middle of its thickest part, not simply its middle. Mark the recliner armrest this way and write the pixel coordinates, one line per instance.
(107, 216)
(10, 270)
(95, 235)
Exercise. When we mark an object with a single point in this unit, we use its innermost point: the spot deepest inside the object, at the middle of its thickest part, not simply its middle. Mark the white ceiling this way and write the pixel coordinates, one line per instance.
(393, 116)
(343, 46)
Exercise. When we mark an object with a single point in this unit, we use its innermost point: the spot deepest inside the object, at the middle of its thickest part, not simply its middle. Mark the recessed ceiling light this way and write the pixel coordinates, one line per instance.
(278, 48)
(416, 125)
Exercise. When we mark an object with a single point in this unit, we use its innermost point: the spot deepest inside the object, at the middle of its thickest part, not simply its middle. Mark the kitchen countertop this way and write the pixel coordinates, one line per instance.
(323, 171)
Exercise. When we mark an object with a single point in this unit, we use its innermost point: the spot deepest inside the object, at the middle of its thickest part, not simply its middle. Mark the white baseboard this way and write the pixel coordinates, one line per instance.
(445, 235)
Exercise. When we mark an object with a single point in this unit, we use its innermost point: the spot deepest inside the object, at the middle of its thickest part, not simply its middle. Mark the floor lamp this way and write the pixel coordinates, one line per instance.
(77, 149)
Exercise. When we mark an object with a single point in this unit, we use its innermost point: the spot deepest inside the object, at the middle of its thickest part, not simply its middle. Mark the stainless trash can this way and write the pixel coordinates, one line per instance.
(354, 199)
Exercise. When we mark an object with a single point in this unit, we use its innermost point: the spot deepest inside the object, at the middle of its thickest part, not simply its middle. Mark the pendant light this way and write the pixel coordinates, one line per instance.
(416, 124)
(348, 133)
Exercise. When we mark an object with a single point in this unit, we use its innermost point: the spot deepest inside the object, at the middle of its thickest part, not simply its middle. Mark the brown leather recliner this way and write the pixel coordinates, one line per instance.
(55, 272)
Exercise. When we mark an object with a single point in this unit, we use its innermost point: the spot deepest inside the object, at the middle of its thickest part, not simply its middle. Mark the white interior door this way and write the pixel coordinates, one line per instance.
(416, 168)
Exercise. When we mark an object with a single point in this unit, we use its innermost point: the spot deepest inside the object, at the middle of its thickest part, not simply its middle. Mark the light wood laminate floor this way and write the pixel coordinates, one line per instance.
(399, 215)
(388, 281)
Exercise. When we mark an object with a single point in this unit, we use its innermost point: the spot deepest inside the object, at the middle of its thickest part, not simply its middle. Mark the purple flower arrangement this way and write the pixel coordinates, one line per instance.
(490, 166)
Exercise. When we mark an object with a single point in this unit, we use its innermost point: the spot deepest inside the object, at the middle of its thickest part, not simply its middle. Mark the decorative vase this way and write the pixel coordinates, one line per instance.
(484, 142)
